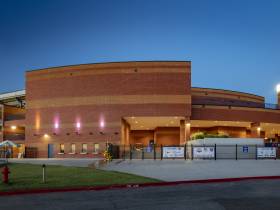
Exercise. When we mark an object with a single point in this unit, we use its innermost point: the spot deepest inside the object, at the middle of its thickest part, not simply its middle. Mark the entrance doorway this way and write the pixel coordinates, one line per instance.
(144, 131)
(50, 150)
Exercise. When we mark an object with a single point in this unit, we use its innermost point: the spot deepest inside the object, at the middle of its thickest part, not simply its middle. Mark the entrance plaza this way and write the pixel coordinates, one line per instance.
(77, 111)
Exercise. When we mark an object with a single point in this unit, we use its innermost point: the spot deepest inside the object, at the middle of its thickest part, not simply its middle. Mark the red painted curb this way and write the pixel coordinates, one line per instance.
(110, 187)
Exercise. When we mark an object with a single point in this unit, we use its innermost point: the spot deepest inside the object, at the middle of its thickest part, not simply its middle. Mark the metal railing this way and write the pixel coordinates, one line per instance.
(14, 137)
(14, 117)
(272, 106)
(236, 152)
(238, 104)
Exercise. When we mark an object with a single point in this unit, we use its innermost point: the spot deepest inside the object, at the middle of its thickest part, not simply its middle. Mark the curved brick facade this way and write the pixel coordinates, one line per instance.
(59, 98)
(97, 104)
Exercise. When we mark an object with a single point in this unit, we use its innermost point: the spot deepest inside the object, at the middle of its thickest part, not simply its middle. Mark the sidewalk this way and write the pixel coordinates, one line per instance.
(85, 162)
(178, 170)
(174, 170)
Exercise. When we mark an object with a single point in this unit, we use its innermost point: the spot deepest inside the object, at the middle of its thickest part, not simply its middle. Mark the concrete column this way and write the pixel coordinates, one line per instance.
(188, 130)
(155, 136)
(125, 130)
(277, 137)
(182, 131)
(255, 130)
(127, 133)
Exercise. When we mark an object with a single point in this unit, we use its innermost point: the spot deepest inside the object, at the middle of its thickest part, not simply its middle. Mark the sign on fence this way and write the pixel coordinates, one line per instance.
(245, 149)
(203, 152)
(266, 152)
(173, 152)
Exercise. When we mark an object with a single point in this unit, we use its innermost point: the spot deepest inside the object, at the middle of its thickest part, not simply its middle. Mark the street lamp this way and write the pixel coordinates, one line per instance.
(278, 88)
(278, 95)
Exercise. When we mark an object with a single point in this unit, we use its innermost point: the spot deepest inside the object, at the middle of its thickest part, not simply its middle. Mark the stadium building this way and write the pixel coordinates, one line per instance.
(74, 111)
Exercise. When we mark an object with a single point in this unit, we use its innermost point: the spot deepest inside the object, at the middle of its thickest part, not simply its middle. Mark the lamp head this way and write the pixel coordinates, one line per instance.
(278, 88)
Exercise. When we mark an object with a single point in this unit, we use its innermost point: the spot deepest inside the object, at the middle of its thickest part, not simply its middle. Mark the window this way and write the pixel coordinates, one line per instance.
(96, 148)
(73, 148)
(61, 148)
(84, 148)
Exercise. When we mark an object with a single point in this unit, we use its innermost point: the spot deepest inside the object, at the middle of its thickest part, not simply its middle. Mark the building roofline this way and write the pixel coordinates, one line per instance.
(113, 62)
(12, 94)
(22, 92)
(232, 91)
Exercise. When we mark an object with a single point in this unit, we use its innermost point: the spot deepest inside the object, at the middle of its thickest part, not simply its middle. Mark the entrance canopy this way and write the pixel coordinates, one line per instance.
(163, 130)
(151, 123)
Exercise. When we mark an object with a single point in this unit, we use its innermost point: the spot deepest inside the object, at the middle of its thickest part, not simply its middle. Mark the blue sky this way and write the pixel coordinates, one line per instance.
(232, 44)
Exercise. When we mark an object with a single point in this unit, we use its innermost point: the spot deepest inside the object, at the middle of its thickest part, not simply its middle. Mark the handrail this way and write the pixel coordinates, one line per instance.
(248, 105)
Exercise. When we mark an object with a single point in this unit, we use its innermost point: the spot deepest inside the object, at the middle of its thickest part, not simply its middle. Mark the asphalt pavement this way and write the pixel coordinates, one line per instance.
(247, 195)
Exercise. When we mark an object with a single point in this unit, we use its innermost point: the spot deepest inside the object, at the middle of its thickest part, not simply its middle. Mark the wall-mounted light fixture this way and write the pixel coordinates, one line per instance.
(78, 125)
(56, 125)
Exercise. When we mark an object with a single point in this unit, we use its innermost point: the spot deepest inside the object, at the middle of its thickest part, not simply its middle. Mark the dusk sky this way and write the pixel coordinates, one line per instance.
(232, 45)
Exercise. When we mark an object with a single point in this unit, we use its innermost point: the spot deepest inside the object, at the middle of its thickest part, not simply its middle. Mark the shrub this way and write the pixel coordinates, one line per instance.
(202, 135)
(197, 135)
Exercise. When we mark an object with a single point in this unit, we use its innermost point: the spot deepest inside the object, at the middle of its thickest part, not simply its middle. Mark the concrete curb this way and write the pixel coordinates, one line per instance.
(127, 186)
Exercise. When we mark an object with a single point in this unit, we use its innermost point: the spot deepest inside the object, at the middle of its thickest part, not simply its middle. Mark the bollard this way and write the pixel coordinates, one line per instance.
(44, 173)
(5, 173)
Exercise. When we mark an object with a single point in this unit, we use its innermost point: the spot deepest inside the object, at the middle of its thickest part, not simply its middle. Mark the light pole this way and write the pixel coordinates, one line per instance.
(278, 95)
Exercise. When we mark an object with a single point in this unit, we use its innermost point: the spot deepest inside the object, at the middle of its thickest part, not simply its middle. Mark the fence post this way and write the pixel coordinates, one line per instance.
(256, 151)
(154, 151)
(143, 153)
(192, 151)
(161, 151)
(236, 152)
(130, 152)
(215, 152)
(185, 151)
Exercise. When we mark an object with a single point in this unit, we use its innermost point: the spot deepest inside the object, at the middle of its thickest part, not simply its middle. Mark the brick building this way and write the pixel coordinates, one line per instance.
(73, 111)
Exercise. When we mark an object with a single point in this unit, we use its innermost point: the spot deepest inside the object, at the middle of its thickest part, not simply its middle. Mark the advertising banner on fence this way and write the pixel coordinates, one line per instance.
(203, 152)
(173, 152)
(266, 152)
